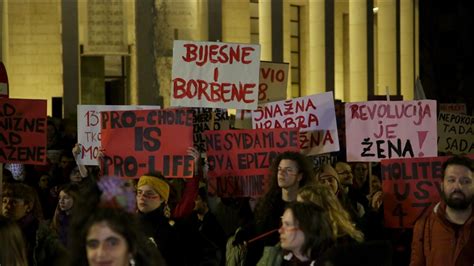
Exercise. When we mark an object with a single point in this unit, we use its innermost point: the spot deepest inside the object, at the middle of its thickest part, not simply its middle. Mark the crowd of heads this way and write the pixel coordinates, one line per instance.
(100, 218)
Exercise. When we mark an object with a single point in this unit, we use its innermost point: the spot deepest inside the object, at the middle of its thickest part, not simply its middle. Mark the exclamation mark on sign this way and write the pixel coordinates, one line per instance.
(421, 140)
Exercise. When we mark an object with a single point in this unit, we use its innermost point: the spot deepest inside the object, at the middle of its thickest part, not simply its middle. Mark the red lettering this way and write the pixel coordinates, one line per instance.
(178, 88)
(246, 52)
(223, 58)
(202, 54)
(266, 73)
(213, 52)
(280, 75)
(214, 91)
(190, 52)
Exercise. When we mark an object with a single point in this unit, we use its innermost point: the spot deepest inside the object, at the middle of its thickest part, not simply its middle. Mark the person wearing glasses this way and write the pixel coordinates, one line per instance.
(305, 235)
(152, 196)
(289, 171)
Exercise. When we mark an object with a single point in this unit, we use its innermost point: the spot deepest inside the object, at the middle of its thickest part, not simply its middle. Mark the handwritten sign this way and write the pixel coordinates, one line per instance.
(138, 142)
(323, 159)
(88, 128)
(456, 133)
(217, 75)
(457, 108)
(379, 130)
(272, 87)
(273, 82)
(411, 186)
(313, 115)
(208, 119)
(239, 160)
(23, 127)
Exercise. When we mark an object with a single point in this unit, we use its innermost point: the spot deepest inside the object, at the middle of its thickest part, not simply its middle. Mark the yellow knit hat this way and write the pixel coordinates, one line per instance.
(160, 186)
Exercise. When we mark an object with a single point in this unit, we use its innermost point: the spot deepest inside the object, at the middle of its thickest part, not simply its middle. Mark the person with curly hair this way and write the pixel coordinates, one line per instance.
(289, 171)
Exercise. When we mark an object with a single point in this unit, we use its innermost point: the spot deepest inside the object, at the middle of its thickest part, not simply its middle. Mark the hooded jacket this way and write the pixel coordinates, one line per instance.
(438, 242)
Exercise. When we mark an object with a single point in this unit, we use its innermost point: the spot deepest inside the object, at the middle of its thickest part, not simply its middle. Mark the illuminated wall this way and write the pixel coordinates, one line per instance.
(32, 49)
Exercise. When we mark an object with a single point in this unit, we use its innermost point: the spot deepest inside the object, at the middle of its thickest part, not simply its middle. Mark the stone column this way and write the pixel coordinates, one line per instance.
(407, 49)
(387, 45)
(265, 29)
(317, 48)
(357, 89)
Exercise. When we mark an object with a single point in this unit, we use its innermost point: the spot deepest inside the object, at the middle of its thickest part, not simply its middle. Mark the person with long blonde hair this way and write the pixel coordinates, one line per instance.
(341, 223)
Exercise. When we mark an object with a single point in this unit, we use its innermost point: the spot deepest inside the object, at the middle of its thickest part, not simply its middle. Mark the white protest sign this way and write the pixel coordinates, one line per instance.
(314, 115)
(455, 133)
(216, 75)
(88, 128)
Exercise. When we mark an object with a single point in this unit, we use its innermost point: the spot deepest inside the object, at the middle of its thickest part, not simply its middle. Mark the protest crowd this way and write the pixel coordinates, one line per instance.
(311, 182)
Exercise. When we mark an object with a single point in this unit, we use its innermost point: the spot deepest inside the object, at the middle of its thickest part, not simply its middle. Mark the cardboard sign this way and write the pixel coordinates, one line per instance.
(23, 128)
(88, 128)
(272, 87)
(456, 133)
(456, 108)
(144, 141)
(273, 82)
(239, 160)
(208, 119)
(379, 130)
(411, 187)
(217, 75)
(313, 115)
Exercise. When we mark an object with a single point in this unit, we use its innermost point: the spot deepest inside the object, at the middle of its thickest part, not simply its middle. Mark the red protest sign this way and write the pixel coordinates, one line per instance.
(142, 141)
(411, 187)
(3, 81)
(239, 160)
(23, 131)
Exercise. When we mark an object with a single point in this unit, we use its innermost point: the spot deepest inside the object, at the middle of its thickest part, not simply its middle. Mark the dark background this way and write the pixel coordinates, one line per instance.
(447, 51)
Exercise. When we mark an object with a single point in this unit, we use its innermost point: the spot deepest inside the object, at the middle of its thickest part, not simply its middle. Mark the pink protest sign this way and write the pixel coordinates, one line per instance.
(379, 130)
(216, 75)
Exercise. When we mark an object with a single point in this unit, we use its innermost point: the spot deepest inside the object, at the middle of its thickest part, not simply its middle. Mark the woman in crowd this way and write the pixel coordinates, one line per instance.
(327, 175)
(104, 229)
(60, 223)
(305, 235)
(111, 236)
(12, 245)
(342, 227)
(152, 195)
(289, 171)
(20, 203)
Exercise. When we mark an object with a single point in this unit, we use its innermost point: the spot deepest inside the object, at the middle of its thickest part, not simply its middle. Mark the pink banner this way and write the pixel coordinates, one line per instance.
(379, 130)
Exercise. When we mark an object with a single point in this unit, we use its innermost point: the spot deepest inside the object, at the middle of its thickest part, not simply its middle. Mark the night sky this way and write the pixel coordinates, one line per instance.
(447, 51)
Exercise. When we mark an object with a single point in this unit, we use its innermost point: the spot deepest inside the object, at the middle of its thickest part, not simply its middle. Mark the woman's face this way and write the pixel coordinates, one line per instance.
(328, 176)
(291, 236)
(65, 202)
(106, 247)
(147, 199)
